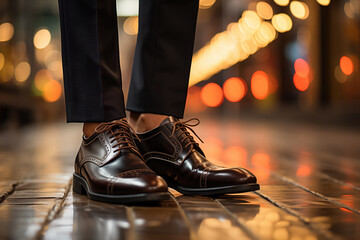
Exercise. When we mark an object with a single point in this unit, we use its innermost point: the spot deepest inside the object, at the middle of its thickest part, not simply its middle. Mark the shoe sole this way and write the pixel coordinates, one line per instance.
(80, 186)
(248, 187)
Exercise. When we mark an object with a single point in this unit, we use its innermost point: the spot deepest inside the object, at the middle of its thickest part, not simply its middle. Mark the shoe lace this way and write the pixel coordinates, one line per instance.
(121, 132)
(184, 127)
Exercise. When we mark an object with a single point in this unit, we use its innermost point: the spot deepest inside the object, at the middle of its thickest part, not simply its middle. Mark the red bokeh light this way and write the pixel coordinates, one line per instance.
(301, 67)
(212, 95)
(260, 85)
(346, 65)
(301, 83)
(234, 89)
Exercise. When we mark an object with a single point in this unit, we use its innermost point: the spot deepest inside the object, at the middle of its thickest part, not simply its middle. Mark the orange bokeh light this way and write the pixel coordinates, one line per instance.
(302, 67)
(260, 85)
(346, 65)
(234, 89)
(235, 156)
(212, 95)
(52, 91)
(193, 102)
(41, 78)
(301, 83)
(261, 160)
(303, 171)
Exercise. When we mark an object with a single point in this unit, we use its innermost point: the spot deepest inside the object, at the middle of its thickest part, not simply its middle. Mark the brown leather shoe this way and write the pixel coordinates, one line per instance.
(172, 153)
(109, 168)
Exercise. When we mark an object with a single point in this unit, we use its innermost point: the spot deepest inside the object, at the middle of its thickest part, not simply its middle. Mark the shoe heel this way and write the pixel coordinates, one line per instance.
(77, 187)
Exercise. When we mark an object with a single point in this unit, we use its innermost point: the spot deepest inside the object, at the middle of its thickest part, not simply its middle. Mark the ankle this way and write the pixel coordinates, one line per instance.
(142, 122)
(89, 128)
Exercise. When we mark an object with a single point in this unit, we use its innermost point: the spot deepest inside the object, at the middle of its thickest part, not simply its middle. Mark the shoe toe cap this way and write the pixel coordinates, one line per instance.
(149, 183)
(230, 176)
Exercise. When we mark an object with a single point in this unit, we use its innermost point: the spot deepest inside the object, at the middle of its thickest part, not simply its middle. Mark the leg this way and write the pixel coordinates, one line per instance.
(90, 53)
(108, 166)
(159, 87)
(163, 57)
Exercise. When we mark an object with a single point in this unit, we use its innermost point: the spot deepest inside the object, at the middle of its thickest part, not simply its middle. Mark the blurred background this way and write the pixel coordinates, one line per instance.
(269, 59)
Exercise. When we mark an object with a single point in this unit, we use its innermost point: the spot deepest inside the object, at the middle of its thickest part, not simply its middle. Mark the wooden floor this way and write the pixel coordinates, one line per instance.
(309, 176)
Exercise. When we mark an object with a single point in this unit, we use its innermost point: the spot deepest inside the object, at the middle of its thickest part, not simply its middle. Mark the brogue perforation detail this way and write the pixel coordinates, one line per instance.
(203, 177)
(104, 143)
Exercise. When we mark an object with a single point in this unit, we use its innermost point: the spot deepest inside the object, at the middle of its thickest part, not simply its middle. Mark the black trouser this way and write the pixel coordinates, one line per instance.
(90, 51)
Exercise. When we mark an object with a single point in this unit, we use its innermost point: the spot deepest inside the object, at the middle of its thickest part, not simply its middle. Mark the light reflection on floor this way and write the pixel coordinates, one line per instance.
(310, 188)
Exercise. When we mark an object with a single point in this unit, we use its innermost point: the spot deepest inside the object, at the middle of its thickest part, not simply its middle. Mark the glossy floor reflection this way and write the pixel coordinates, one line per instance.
(309, 176)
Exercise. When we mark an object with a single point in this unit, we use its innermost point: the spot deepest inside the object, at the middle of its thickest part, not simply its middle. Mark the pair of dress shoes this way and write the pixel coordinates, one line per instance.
(118, 166)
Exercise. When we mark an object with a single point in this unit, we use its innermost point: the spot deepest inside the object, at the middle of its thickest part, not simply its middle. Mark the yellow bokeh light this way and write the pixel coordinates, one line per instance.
(205, 4)
(22, 72)
(7, 72)
(6, 32)
(236, 44)
(2, 61)
(300, 10)
(251, 19)
(42, 38)
(324, 2)
(264, 10)
(282, 22)
(282, 2)
(131, 25)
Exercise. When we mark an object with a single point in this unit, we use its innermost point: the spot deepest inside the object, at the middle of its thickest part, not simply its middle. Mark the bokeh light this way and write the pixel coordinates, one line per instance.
(264, 10)
(7, 72)
(282, 22)
(235, 156)
(212, 95)
(324, 2)
(193, 102)
(260, 85)
(282, 2)
(261, 159)
(42, 38)
(339, 75)
(300, 10)
(22, 72)
(301, 67)
(131, 25)
(301, 83)
(205, 4)
(2, 61)
(52, 91)
(251, 20)
(41, 78)
(234, 89)
(236, 44)
(6, 32)
(303, 170)
(346, 65)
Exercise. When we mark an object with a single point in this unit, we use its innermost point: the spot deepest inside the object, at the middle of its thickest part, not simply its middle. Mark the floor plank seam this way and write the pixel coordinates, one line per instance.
(338, 181)
(5, 194)
(247, 231)
(323, 233)
(323, 175)
(291, 181)
(53, 212)
(185, 217)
